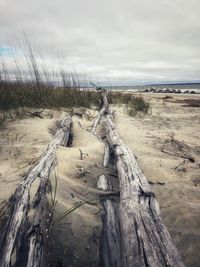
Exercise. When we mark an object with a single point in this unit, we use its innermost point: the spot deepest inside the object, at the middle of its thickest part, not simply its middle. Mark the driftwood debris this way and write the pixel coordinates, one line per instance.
(81, 125)
(176, 148)
(145, 241)
(98, 88)
(36, 114)
(158, 183)
(82, 154)
(82, 171)
(17, 222)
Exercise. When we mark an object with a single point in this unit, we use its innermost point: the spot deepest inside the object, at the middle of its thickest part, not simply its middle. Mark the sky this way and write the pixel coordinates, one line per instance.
(122, 42)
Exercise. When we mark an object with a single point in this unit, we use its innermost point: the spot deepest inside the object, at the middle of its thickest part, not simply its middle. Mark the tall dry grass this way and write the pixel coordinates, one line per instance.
(35, 86)
(39, 88)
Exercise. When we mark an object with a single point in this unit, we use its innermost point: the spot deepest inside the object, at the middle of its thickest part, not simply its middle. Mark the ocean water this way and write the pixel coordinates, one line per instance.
(162, 86)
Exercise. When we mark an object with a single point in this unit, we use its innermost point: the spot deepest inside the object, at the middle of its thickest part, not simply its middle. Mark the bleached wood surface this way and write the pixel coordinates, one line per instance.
(110, 237)
(145, 241)
(17, 221)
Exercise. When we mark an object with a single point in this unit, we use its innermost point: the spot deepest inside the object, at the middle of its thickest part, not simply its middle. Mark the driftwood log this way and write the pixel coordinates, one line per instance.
(38, 233)
(17, 221)
(110, 235)
(145, 241)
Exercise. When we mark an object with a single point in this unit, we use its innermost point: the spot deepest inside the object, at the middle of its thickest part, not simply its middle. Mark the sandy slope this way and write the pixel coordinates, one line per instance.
(179, 198)
(22, 141)
(76, 236)
(74, 239)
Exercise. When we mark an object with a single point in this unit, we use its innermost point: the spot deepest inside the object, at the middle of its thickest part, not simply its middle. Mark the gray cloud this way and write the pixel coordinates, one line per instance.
(123, 41)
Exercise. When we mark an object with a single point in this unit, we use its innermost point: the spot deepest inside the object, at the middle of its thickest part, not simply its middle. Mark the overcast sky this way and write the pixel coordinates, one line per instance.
(123, 42)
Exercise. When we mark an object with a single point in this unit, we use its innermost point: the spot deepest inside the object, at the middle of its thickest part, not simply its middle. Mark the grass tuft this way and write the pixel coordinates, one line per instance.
(133, 104)
(137, 104)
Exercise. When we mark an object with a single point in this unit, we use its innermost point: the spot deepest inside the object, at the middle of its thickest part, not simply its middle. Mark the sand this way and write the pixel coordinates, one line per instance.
(179, 197)
(22, 141)
(75, 238)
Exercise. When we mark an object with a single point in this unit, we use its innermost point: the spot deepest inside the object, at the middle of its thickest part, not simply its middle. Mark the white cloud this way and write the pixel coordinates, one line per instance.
(123, 41)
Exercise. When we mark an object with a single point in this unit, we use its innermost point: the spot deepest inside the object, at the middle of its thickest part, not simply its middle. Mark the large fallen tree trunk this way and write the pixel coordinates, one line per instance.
(145, 241)
(110, 234)
(17, 220)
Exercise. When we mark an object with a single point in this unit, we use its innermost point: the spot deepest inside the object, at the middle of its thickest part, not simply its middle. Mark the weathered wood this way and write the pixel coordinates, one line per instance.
(145, 240)
(110, 236)
(36, 114)
(82, 154)
(97, 120)
(106, 155)
(102, 112)
(38, 233)
(17, 221)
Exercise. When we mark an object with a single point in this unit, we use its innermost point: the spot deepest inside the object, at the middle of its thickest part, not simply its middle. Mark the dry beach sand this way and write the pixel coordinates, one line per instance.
(179, 197)
(166, 143)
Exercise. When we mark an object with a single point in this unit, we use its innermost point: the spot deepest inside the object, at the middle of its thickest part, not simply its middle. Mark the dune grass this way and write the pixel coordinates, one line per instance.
(132, 104)
(14, 95)
(34, 85)
(191, 102)
(38, 87)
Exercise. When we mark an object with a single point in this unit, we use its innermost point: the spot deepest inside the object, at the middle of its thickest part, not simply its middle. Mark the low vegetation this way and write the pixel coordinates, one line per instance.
(15, 95)
(137, 104)
(133, 104)
(192, 102)
(36, 88)
(31, 85)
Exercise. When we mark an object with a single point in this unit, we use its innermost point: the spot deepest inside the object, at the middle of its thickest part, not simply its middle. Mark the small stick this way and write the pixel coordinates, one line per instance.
(81, 154)
(81, 125)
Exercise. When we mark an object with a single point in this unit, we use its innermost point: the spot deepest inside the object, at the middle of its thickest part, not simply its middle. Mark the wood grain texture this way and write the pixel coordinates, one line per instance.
(110, 236)
(145, 240)
(17, 220)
